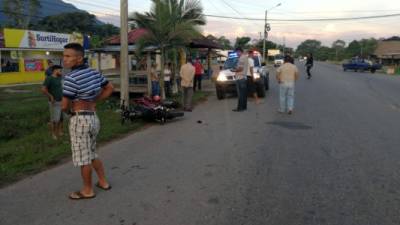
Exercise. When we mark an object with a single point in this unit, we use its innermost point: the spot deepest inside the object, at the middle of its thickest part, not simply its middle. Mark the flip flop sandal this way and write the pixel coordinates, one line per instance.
(78, 196)
(104, 188)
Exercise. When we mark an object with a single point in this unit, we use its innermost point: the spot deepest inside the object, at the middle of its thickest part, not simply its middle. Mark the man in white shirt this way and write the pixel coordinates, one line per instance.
(251, 85)
(286, 75)
(187, 75)
(241, 83)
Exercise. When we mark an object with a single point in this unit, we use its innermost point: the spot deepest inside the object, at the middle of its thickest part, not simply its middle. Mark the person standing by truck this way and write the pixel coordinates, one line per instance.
(241, 82)
(309, 64)
(251, 85)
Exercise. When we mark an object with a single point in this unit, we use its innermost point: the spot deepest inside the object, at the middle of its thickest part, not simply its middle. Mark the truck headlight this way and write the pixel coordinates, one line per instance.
(221, 77)
(256, 75)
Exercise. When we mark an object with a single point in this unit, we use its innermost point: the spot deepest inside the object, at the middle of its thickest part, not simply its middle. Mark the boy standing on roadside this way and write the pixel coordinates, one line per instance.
(52, 88)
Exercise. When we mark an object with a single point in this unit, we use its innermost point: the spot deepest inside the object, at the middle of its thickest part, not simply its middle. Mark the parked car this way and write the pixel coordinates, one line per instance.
(361, 65)
(278, 60)
(226, 81)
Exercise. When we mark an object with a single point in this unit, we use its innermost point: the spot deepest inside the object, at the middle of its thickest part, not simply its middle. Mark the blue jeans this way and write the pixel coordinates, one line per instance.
(155, 88)
(286, 98)
(241, 86)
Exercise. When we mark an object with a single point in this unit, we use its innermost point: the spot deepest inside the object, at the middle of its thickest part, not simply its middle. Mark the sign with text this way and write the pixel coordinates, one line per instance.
(32, 65)
(15, 38)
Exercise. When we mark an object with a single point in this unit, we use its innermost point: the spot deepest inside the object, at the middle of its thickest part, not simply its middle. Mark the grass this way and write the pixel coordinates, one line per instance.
(26, 146)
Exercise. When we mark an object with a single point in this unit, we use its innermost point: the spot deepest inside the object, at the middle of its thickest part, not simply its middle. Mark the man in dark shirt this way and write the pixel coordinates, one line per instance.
(49, 70)
(52, 88)
(83, 87)
(309, 64)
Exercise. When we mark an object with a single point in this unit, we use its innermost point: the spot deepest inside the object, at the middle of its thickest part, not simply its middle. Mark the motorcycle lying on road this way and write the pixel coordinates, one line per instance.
(150, 110)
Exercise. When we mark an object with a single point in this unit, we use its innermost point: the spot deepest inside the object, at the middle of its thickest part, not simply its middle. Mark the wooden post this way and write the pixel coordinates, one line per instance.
(148, 62)
(124, 88)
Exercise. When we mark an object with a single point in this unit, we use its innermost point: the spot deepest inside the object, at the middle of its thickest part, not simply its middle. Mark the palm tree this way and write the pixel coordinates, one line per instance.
(169, 24)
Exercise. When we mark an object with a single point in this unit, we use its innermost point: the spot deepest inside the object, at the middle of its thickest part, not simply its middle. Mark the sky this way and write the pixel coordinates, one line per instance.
(289, 33)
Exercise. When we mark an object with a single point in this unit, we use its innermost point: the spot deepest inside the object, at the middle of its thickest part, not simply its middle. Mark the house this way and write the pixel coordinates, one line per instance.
(107, 59)
(388, 51)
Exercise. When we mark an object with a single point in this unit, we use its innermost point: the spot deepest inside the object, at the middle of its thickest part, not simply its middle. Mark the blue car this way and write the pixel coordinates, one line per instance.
(361, 65)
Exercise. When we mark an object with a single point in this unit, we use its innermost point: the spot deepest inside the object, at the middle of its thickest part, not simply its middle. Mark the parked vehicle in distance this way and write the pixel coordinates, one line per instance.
(226, 80)
(361, 65)
(278, 60)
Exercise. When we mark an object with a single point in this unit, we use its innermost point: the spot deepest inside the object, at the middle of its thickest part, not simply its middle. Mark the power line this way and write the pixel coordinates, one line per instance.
(232, 7)
(308, 20)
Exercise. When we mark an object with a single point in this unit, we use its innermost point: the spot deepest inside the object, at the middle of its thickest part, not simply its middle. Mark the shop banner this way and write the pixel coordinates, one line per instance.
(32, 65)
(15, 38)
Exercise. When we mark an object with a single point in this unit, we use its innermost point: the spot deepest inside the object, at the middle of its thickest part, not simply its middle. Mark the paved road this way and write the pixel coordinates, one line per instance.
(336, 161)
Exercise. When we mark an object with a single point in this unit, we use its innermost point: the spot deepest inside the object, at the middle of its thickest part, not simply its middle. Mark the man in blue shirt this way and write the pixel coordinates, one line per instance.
(83, 87)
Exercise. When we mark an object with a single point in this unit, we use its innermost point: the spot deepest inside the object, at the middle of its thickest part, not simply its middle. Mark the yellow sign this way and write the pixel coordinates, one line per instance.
(15, 38)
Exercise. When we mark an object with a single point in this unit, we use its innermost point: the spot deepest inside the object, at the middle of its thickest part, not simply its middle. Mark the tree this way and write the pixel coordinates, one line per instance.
(20, 12)
(242, 42)
(324, 53)
(354, 49)
(338, 46)
(170, 23)
(69, 22)
(368, 47)
(308, 46)
(225, 43)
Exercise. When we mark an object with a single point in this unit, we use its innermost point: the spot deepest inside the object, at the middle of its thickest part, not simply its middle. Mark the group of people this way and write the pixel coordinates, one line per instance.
(155, 78)
(80, 89)
(286, 75)
(245, 79)
(190, 78)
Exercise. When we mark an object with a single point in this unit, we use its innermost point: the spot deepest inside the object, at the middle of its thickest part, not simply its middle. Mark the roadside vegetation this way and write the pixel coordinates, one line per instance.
(26, 146)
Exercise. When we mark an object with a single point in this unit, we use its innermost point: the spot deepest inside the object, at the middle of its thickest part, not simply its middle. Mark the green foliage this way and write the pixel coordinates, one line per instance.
(20, 12)
(338, 51)
(225, 43)
(169, 24)
(308, 46)
(68, 22)
(353, 49)
(242, 42)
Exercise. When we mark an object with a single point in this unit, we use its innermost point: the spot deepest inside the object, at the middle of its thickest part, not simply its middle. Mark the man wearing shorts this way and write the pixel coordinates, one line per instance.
(52, 88)
(83, 87)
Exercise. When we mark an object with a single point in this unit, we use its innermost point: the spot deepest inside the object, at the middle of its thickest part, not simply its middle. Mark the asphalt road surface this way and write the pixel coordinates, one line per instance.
(335, 161)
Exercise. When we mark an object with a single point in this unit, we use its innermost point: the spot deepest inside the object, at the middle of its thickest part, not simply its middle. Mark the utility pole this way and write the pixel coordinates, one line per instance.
(124, 84)
(266, 29)
(265, 34)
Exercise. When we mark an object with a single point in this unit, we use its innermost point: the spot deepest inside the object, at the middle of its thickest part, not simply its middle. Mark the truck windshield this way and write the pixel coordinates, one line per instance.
(231, 63)
(256, 61)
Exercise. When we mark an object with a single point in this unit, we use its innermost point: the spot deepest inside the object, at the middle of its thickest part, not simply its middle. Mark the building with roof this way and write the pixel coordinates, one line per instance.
(388, 51)
(25, 54)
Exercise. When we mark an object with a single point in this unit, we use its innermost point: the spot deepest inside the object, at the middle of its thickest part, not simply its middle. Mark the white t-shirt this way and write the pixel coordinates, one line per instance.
(251, 65)
(167, 74)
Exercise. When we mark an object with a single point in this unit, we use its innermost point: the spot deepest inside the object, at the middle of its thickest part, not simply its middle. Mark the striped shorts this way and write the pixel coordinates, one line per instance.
(83, 130)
